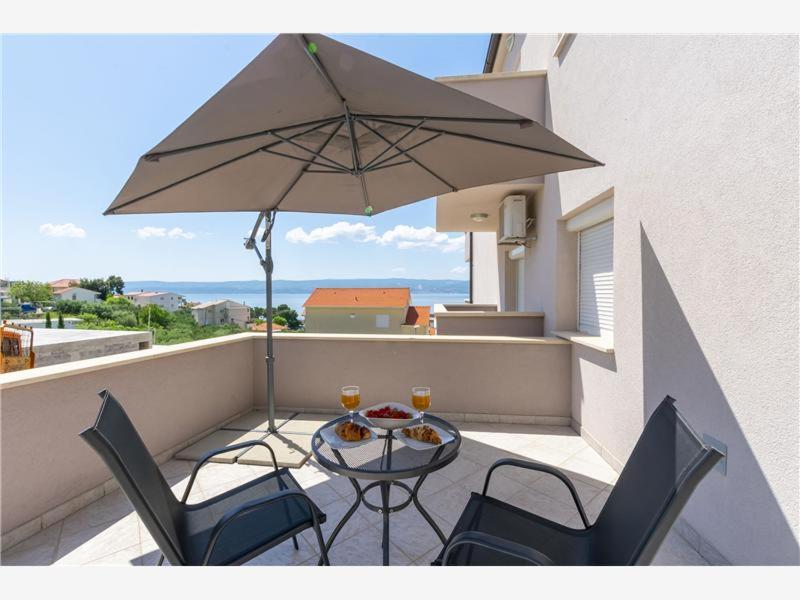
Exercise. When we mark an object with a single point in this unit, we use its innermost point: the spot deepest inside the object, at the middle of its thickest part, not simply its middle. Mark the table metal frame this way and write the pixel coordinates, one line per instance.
(385, 478)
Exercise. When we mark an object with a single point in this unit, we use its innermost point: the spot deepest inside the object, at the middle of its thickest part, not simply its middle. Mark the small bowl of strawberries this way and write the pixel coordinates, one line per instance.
(390, 415)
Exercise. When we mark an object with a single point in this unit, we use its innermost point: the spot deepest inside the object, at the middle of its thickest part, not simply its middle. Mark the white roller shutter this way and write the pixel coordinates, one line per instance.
(596, 279)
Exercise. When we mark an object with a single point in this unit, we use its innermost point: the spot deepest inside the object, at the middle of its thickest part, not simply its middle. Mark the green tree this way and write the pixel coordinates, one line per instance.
(279, 320)
(60, 321)
(98, 285)
(115, 284)
(291, 316)
(154, 315)
(120, 302)
(31, 291)
(48, 321)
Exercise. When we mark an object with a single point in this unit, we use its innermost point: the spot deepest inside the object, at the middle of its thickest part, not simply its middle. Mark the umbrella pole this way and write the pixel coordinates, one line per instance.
(266, 263)
(268, 267)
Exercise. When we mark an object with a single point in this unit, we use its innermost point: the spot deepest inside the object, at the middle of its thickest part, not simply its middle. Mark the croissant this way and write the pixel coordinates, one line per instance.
(423, 434)
(352, 432)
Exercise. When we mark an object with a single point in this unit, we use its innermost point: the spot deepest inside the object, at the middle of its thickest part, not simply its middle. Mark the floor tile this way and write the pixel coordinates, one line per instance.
(306, 423)
(39, 549)
(291, 450)
(219, 439)
(284, 554)
(365, 549)
(90, 544)
(257, 420)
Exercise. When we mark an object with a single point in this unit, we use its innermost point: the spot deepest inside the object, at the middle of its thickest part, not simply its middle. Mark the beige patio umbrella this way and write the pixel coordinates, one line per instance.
(313, 125)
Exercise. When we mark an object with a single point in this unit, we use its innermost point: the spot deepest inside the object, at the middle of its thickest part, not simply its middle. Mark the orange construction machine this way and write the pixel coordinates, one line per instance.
(17, 348)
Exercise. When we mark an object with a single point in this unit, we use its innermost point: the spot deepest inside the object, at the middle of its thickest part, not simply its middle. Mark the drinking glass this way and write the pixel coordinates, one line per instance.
(350, 399)
(421, 399)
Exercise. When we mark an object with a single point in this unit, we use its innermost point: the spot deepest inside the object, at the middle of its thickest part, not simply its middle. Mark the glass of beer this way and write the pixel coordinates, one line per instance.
(421, 399)
(350, 398)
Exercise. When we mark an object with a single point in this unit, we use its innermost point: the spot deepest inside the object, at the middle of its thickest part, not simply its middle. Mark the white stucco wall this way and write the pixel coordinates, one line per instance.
(700, 139)
(485, 275)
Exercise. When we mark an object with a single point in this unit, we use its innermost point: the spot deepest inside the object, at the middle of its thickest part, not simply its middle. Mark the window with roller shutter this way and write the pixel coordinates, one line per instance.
(596, 279)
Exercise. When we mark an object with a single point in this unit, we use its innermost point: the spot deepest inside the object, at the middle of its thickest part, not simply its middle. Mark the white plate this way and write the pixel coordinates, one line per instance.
(417, 445)
(390, 423)
(329, 436)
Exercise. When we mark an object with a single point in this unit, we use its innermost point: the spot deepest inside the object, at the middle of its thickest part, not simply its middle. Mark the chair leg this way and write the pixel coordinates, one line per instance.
(160, 560)
(294, 541)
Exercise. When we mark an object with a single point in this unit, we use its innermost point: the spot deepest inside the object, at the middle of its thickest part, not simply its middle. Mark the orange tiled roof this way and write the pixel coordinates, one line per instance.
(63, 283)
(263, 327)
(366, 297)
(418, 315)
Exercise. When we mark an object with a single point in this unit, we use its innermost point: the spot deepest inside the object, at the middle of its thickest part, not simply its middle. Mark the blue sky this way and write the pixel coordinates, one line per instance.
(78, 111)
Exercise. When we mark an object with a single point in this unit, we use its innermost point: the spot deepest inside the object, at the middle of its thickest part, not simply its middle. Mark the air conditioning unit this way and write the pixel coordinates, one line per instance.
(513, 220)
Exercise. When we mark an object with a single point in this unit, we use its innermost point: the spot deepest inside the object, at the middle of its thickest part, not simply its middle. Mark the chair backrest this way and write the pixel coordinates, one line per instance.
(665, 467)
(116, 440)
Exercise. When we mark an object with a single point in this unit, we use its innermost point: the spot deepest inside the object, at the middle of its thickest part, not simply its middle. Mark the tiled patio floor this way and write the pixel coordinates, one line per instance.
(108, 532)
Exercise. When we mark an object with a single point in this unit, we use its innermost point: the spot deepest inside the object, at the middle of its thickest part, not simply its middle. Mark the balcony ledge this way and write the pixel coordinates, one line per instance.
(40, 374)
(590, 341)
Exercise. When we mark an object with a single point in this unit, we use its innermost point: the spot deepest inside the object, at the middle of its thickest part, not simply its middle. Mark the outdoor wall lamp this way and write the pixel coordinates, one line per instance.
(479, 217)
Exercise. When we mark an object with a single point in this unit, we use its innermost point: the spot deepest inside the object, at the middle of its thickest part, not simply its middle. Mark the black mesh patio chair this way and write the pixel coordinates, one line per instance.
(665, 467)
(230, 528)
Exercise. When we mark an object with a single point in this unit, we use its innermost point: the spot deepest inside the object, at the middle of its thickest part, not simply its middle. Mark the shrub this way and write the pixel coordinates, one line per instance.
(60, 321)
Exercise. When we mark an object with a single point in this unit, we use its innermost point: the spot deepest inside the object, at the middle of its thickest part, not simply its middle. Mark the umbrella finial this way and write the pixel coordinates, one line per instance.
(368, 210)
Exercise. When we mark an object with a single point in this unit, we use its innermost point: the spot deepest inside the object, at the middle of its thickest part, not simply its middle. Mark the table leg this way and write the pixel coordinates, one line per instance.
(385, 487)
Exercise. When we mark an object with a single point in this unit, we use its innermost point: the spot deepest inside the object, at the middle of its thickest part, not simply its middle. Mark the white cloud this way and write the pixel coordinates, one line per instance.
(174, 233)
(399, 270)
(403, 237)
(406, 236)
(356, 232)
(177, 232)
(63, 230)
(459, 270)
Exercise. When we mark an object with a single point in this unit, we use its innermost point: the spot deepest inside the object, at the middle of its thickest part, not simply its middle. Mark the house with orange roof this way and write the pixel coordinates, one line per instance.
(365, 310)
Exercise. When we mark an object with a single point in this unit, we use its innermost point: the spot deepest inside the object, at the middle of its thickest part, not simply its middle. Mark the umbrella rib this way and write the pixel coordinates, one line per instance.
(304, 170)
(521, 122)
(417, 145)
(492, 141)
(417, 162)
(388, 148)
(316, 154)
(308, 161)
(398, 164)
(213, 168)
(155, 156)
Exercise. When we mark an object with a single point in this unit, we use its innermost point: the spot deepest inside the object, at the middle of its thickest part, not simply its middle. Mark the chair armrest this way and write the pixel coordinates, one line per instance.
(211, 453)
(535, 466)
(248, 507)
(496, 544)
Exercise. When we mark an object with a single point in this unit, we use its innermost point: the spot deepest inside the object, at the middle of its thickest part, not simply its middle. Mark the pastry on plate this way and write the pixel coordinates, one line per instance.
(423, 433)
(352, 432)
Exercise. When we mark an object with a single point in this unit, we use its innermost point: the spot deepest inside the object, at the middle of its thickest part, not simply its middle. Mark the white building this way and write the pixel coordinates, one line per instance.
(221, 312)
(169, 301)
(673, 268)
(76, 293)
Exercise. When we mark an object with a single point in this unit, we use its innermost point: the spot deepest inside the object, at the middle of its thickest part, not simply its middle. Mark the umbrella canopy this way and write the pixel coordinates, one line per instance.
(313, 125)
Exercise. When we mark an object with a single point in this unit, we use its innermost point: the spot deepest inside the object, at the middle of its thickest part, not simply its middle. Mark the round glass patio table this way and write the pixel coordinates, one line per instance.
(386, 461)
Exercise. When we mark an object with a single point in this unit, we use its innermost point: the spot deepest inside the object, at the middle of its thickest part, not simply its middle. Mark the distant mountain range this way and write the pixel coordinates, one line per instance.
(285, 286)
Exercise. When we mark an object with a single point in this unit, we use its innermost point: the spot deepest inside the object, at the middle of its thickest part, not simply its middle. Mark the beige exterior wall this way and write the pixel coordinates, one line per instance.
(171, 394)
(701, 156)
(480, 375)
(337, 319)
(174, 394)
(490, 323)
